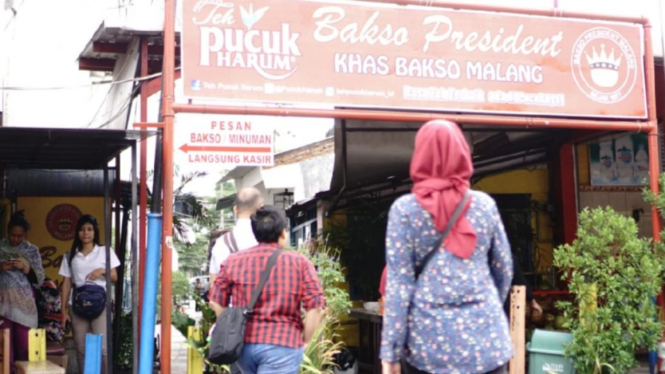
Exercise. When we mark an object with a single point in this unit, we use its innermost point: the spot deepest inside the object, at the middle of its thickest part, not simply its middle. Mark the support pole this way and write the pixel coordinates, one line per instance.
(517, 329)
(135, 269)
(150, 303)
(397, 116)
(143, 205)
(109, 294)
(654, 174)
(654, 156)
(167, 235)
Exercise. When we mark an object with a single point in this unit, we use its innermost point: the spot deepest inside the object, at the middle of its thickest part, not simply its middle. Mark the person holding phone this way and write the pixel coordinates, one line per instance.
(20, 268)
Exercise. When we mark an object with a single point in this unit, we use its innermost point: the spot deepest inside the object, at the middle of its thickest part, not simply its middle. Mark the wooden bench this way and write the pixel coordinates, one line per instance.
(55, 352)
(4, 345)
(40, 367)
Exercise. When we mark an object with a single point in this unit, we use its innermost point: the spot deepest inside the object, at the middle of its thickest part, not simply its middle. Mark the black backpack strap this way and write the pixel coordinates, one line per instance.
(264, 278)
(444, 235)
(227, 242)
(234, 244)
(230, 241)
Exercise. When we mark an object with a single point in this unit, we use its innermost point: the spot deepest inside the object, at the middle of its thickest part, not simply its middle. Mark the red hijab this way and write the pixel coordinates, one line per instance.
(441, 167)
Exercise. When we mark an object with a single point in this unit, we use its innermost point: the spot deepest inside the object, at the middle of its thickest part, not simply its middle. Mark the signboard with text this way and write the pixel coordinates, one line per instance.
(222, 141)
(423, 58)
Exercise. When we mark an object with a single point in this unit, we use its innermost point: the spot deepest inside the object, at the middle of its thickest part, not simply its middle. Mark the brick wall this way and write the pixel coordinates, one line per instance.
(305, 153)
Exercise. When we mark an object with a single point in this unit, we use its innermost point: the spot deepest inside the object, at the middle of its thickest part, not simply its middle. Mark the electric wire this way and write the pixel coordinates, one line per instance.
(86, 85)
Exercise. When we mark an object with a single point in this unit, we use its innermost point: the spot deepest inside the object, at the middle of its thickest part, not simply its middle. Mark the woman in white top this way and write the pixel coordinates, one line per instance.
(88, 261)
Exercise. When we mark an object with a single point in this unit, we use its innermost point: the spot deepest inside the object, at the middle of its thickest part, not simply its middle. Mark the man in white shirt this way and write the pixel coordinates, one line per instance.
(248, 200)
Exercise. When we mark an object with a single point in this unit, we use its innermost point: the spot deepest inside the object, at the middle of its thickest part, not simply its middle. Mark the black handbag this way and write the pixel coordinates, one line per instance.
(228, 337)
(89, 300)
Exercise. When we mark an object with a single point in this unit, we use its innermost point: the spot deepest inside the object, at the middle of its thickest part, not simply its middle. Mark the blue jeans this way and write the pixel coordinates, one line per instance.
(269, 359)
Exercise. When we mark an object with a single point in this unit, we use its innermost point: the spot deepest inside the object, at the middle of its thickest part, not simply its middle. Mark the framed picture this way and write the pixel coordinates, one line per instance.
(619, 161)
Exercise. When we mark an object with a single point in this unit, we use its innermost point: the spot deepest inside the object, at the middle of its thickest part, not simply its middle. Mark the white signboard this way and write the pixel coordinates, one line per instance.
(222, 141)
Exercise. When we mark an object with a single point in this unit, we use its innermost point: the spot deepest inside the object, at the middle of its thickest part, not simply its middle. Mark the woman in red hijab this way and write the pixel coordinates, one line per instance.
(449, 267)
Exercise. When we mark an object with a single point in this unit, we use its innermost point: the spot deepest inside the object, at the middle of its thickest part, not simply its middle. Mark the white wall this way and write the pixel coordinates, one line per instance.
(40, 46)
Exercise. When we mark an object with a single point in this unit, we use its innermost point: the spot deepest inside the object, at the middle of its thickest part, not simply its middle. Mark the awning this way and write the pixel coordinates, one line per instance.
(66, 149)
(371, 152)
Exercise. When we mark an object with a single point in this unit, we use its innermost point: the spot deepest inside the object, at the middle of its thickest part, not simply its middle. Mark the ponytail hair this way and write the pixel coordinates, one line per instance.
(18, 220)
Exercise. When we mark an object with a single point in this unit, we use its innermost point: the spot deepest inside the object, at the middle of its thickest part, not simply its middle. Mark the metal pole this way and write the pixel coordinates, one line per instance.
(380, 115)
(143, 179)
(109, 294)
(654, 164)
(167, 235)
(135, 269)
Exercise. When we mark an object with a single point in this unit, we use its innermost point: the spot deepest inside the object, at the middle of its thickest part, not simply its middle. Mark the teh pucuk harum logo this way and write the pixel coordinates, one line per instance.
(271, 51)
(61, 221)
(604, 65)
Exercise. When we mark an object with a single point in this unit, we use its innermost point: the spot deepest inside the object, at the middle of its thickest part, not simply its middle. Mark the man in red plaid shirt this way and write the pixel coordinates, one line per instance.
(275, 332)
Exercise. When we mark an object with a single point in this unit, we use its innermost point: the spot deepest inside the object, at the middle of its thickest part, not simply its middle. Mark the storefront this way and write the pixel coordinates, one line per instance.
(529, 90)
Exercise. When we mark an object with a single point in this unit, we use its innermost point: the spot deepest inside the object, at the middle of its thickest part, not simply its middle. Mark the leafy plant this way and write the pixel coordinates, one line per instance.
(331, 276)
(613, 275)
(126, 343)
(181, 321)
(319, 354)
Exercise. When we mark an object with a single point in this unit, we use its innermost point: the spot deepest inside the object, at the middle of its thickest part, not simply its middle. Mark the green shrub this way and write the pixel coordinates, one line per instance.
(613, 275)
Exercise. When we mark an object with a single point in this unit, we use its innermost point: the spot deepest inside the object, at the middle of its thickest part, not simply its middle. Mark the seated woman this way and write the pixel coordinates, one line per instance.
(20, 265)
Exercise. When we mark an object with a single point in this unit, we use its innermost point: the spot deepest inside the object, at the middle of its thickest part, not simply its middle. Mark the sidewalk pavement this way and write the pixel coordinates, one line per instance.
(178, 350)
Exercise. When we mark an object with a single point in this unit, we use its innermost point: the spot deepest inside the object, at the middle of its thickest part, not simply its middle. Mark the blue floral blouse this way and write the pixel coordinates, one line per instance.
(452, 318)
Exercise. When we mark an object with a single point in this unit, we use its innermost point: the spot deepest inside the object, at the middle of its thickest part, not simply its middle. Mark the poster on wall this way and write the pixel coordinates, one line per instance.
(620, 161)
(53, 225)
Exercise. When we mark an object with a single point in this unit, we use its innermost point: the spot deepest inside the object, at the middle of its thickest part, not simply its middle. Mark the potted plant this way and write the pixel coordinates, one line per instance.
(613, 275)
(319, 353)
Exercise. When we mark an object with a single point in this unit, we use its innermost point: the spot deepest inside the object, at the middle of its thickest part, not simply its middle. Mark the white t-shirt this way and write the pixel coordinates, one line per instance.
(84, 265)
(244, 238)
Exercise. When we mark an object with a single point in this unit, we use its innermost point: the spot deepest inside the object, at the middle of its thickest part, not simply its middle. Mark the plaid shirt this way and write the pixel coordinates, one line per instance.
(292, 285)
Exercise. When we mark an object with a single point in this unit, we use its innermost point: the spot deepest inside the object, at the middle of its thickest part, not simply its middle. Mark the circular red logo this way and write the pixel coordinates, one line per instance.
(61, 221)
(604, 65)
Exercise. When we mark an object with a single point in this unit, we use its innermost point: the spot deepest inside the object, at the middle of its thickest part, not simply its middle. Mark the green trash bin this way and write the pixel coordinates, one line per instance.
(546, 353)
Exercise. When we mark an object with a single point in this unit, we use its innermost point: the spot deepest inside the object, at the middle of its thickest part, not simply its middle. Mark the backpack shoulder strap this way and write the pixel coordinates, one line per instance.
(264, 277)
(446, 231)
(230, 241)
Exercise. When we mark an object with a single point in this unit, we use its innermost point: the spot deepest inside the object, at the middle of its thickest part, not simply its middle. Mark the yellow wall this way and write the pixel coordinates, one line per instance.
(534, 182)
(583, 177)
(50, 245)
(5, 212)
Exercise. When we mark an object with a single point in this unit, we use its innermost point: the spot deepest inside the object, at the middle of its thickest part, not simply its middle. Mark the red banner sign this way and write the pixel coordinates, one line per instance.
(423, 58)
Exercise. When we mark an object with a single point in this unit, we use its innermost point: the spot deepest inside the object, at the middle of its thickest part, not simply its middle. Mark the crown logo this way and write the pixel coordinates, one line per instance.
(64, 224)
(604, 69)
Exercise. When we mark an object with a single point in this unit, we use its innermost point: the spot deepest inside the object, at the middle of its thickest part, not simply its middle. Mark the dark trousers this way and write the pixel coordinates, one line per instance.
(408, 369)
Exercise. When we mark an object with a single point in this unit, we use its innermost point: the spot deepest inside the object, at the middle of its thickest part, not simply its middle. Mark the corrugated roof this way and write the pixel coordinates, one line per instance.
(64, 149)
